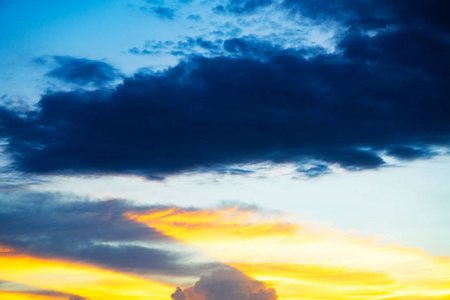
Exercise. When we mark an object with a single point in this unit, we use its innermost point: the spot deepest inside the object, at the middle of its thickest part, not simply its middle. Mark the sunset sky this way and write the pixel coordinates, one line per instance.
(225, 149)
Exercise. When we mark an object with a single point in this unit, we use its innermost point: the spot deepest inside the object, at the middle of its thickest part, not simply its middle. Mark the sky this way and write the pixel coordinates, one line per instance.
(224, 149)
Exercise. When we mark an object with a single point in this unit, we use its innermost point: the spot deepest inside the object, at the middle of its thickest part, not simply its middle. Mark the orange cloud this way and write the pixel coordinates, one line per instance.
(199, 226)
(302, 260)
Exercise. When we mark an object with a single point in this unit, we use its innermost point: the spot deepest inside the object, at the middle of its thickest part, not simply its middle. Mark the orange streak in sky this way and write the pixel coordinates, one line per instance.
(304, 261)
(23, 296)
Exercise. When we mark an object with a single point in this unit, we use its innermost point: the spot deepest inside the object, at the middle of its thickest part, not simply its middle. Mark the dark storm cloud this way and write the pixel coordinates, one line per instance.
(205, 113)
(372, 14)
(83, 71)
(66, 227)
(377, 94)
(225, 285)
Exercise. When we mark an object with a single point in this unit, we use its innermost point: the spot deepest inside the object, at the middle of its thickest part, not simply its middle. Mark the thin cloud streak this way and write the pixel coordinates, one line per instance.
(305, 261)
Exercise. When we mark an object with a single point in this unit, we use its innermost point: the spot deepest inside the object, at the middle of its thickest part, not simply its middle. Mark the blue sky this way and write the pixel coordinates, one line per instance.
(334, 113)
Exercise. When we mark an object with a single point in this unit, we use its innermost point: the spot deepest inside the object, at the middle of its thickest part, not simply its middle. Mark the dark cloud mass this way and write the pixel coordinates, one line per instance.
(380, 92)
(371, 14)
(226, 285)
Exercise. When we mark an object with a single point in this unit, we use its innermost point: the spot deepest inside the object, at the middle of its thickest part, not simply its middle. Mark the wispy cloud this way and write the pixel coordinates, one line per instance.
(244, 252)
(303, 260)
(73, 229)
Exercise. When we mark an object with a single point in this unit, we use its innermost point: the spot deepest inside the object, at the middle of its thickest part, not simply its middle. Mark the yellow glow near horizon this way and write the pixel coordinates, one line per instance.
(73, 278)
(23, 296)
(304, 261)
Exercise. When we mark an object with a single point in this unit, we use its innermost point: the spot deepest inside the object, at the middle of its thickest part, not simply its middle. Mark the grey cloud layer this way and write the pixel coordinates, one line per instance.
(74, 229)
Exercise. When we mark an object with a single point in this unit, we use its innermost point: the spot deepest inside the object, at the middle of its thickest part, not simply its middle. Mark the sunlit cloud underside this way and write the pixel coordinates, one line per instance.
(304, 261)
(299, 260)
(74, 278)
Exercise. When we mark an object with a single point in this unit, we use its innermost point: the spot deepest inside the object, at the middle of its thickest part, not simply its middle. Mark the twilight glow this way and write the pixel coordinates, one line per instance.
(225, 150)
(305, 262)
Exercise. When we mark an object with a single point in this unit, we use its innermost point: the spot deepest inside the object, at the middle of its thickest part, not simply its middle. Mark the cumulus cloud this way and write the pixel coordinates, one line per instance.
(226, 285)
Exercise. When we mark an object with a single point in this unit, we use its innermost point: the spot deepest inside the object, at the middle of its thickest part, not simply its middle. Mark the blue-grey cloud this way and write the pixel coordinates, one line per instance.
(75, 229)
(186, 47)
(242, 7)
(194, 17)
(314, 170)
(82, 71)
(164, 12)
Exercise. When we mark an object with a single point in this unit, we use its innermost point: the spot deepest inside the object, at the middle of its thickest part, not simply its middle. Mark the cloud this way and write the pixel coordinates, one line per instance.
(194, 17)
(164, 12)
(376, 14)
(17, 288)
(74, 229)
(186, 47)
(254, 101)
(304, 260)
(78, 298)
(224, 285)
(82, 71)
(409, 153)
(314, 170)
(242, 7)
(369, 14)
